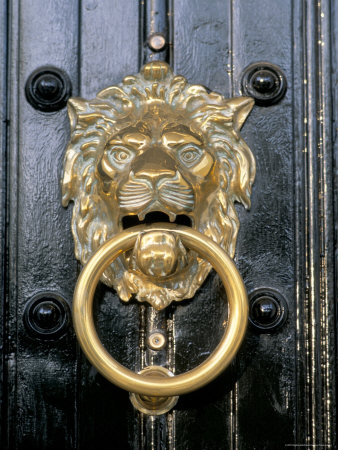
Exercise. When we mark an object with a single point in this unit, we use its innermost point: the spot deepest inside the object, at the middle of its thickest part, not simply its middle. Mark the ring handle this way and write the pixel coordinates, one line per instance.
(160, 386)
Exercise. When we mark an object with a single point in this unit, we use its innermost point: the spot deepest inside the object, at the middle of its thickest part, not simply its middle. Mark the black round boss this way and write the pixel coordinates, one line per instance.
(265, 82)
(48, 89)
(268, 310)
(46, 316)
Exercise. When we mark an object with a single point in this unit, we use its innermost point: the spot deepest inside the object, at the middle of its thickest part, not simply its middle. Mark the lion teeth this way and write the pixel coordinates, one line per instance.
(172, 216)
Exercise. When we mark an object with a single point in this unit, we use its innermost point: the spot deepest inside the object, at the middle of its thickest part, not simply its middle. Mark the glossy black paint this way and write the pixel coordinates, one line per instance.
(48, 89)
(280, 389)
(265, 82)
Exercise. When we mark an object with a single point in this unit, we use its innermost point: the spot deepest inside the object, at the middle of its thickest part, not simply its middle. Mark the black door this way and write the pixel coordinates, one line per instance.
(279, 392)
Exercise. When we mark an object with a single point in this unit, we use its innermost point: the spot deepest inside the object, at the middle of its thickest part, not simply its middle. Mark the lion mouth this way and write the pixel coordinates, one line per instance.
(155, 217)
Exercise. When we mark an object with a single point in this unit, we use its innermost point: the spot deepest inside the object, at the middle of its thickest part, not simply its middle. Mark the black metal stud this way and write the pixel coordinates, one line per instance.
(265, 82)
(267, 311)
(46, 316)
(48, 89)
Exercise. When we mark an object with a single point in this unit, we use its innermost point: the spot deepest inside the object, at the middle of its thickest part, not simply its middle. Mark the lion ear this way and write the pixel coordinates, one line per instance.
(76, 106)
(241, 107)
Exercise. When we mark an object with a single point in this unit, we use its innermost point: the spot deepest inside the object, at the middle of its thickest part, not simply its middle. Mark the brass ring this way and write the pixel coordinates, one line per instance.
(157, 386)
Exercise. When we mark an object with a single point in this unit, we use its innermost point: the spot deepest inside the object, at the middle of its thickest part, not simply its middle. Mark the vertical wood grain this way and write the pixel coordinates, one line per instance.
(202, 43)
(314, 136)
(40, 374)
(213, 45)
(109, 43)
(3, 213)
(265, 249)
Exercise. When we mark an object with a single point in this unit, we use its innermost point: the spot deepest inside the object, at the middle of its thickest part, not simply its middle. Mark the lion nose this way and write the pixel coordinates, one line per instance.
(154, 175)
(154, 164)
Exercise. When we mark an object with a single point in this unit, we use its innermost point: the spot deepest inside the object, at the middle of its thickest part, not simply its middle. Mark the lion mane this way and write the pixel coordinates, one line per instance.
(94, 122)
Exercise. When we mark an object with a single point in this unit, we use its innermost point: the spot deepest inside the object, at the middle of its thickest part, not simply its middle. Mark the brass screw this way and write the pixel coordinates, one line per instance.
(157, 42)
(156, 341)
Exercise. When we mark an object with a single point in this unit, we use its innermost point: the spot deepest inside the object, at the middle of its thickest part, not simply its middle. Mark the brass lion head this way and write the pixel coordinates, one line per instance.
(153, 149)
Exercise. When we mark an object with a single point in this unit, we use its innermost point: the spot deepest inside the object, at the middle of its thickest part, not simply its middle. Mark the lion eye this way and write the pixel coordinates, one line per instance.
(190, 155)
(120, 155)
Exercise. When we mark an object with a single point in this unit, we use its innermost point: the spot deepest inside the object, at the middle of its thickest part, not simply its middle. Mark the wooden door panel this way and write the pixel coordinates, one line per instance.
(266, 392)
(222, 42)
(40, 375)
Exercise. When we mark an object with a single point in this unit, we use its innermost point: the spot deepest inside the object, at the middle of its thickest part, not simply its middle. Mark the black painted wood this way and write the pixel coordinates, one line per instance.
(265, 244)
(280, 389)
(3, 210)
(40, 376)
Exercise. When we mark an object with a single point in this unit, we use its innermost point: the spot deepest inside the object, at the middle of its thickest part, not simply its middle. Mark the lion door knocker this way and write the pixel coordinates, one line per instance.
(157, 149)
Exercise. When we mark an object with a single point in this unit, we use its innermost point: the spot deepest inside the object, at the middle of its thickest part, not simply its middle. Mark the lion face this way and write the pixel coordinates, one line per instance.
(158, 166)
(156, 149)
